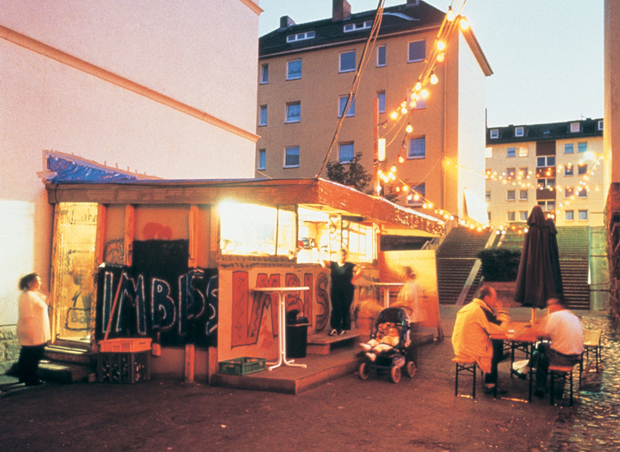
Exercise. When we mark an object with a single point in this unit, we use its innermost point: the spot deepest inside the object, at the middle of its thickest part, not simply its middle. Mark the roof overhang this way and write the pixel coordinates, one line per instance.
(319, 194)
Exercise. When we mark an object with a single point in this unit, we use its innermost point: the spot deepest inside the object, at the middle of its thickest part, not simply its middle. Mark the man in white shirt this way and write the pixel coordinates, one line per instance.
(566, 346)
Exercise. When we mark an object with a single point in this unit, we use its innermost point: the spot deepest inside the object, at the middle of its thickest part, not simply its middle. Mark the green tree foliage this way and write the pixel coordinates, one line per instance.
(500, 264)
(352, 174)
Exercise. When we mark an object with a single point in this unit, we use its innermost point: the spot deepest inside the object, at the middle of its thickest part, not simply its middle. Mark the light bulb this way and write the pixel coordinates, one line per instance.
(394, 115)
(403, 110)
(464, 24)
(441, 45)
(450, 15)
(434, 79)
(409, 128)
(418, 86)
(401, 159)
(393, 169)
(424, 94)
(440, 57)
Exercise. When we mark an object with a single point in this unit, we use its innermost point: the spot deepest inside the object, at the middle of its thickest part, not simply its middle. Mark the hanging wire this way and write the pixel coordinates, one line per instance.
(368, 46)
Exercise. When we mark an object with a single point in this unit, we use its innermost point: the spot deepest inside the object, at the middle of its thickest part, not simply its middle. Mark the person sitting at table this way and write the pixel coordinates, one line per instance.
(474, 325)
(564, 330)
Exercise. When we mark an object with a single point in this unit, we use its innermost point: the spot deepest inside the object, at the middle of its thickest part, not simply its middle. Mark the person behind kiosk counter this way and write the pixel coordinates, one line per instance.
(475, 323)
(566, 346)
(342, 273)
(33, 328)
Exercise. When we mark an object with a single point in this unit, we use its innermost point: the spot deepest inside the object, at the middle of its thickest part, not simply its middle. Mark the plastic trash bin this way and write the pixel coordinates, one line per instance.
(296, 340)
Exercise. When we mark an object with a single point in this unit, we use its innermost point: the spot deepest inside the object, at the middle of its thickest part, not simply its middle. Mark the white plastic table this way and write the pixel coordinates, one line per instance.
(282, 324)
(386, 286)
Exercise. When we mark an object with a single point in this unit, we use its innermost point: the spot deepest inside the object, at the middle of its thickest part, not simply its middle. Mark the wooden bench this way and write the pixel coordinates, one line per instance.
(592, 343)
(565, 373)
(464, 365)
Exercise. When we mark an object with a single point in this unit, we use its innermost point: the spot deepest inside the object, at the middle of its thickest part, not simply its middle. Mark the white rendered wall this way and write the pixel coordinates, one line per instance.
(202, 53)
(472, 127)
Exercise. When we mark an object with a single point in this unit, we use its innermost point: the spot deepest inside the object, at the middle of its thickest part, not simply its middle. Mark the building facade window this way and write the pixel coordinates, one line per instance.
(262, 115)
(381, 101)
(511, 152)
(600, 124)
(575, 127)
(523, 173)
(510, 195)
(546, 183)
(293, 70)
(523, 216)
(342, 104)
(346, 152)
(293, 112)
(291, 157)
(522, 195)
(569, 191)
(417, 195)
(568, 170)
(583, 193)
(417, 51)
(511, 173)
(568, 148)
(524, 151)
(487, 195)
(582, 147)
(381, 56)
(519, 131)
(494, 134)
(347, 61)
(547, 206)
(488, 153)
(417, 148)
(264, 74)
(510, 216)
(300, 36)
(261, 162)
(583, 215)
(582, 169)
(348, 28)
(569, 215)
(545, 161)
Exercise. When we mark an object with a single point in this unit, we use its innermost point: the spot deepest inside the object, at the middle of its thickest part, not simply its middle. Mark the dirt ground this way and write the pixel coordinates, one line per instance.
(419, 414)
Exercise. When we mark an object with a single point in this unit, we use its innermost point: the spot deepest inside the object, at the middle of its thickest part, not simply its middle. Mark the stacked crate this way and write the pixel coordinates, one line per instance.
(124, 360)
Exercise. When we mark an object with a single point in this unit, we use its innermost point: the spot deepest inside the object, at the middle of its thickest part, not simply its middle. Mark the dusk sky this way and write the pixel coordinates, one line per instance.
(546, 55)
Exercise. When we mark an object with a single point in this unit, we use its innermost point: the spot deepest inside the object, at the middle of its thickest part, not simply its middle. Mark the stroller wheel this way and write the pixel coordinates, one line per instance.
(411, 369)
(395, 374)
(363, 372)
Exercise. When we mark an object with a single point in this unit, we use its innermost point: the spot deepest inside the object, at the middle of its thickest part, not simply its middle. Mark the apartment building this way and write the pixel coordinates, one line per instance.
(559, 166)
(435, 146)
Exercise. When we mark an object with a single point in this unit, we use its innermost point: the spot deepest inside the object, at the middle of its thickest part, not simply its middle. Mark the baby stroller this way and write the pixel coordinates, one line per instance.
(395, 357)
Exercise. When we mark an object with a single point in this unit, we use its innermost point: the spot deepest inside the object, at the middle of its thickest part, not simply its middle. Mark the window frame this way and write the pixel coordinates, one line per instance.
(511, 152)
(261, 160)
(288, 69)
(510, 216)
(582, 169)
(340, 147)
(582, 147)
(574, 127)
(511, 195)
(521, 196)
(264, 74)
(286, 155)
(409, 51)
(379, 56)
(340, 65)
(494, 134)
(566, 215)
(287, 118)
(420, 189)
(579, 215)
(380, 96)
(262, 115)
(341, 106)
(300, 36)
(569, 170)
(569, 148)
(519, 131)
(410, 147)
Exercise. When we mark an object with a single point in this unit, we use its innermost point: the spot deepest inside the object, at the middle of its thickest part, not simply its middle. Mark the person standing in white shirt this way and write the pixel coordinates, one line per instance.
(33, 328)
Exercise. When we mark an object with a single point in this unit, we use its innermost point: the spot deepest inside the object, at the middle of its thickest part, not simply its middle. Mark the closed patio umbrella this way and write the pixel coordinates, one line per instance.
(539, 277)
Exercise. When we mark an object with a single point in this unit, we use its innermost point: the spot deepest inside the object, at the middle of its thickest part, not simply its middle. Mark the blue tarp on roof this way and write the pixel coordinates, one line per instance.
(68, 171)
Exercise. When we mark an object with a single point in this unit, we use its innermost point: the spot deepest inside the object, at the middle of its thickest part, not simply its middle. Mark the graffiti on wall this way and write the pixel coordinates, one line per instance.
(253, 313)
(159, 297)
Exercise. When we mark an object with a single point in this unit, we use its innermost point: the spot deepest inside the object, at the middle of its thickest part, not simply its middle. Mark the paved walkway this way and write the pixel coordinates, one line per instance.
(593, 423)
